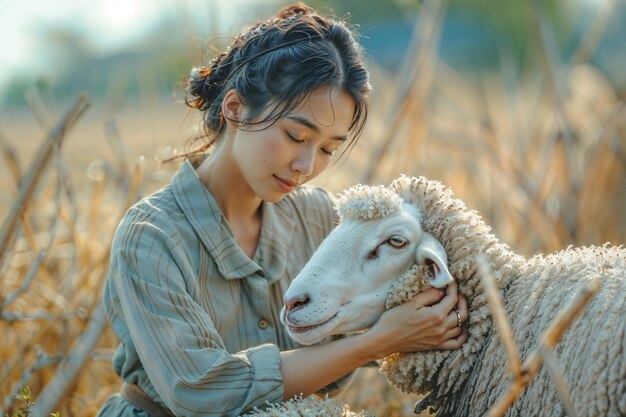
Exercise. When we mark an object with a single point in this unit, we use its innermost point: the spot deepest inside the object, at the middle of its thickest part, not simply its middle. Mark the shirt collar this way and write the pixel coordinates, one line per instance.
(205, 216)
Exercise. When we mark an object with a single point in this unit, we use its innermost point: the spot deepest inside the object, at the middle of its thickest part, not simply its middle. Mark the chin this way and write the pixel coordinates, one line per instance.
(272, 196)
(307, 338)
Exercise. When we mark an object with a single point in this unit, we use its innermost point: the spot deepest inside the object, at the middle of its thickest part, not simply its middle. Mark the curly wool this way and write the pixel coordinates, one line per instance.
(310, 406)
(367, 202)
(466, 382)
(409, 283)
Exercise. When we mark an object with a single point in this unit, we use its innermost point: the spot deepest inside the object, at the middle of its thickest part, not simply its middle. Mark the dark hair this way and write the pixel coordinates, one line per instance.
(278, 63)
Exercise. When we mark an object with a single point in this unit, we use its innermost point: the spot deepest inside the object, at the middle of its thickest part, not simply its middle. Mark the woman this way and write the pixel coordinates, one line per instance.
(198, 269)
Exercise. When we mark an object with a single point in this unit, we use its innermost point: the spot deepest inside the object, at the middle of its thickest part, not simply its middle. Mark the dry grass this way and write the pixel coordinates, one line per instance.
(542, 157)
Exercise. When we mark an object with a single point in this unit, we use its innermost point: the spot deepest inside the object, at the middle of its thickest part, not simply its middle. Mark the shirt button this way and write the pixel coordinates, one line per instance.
(262, 324)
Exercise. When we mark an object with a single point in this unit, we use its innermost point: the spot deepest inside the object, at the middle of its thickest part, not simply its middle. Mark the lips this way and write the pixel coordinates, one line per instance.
(302, 329)
(285, 184)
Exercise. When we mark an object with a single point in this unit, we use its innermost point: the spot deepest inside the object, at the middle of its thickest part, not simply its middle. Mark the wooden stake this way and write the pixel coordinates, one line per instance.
(497, 309)
(562, 391)
(33, 174)
(71, 366)
(69, 370)
(426, 36)
(550, 337)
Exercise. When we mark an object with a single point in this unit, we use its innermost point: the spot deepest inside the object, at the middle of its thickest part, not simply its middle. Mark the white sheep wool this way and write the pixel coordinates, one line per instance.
(367, 202)
(310, 406)
(466, 382)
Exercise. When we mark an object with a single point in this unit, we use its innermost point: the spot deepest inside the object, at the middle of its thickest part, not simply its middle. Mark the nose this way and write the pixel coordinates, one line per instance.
(295, 302)
(304, 163)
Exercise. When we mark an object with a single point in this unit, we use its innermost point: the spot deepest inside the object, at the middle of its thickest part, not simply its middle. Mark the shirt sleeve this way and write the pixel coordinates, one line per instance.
(175, 339)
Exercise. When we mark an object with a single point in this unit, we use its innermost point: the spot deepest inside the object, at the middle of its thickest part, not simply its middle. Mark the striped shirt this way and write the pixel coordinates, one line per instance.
(196, 317)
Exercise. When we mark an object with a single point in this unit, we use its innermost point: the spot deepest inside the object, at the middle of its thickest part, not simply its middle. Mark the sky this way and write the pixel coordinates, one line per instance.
(109, 23)
(112, 21)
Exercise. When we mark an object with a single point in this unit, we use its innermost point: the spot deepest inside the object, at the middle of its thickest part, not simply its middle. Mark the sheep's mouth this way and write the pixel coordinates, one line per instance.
(303, 329)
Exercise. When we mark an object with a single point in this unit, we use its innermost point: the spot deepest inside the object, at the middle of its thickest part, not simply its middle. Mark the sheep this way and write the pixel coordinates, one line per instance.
(467, 381)
(310, 406)
(391, 239)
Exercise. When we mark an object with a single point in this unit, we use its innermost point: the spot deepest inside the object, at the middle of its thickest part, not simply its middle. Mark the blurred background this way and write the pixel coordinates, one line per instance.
(518, 105)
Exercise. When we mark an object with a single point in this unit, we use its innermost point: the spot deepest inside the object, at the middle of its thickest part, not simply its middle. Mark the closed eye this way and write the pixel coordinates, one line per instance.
(293, 138)
(325, 151)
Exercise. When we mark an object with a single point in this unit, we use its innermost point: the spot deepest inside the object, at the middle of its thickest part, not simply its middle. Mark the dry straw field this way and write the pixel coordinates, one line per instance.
(542, 156)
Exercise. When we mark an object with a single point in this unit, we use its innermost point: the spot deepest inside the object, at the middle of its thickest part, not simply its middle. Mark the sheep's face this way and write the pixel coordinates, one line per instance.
(344, 286)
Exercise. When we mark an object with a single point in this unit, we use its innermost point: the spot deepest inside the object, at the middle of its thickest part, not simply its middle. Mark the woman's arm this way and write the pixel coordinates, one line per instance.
(426, 322)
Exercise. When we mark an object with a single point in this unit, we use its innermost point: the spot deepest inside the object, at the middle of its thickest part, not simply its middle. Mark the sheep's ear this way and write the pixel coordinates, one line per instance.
(432, 255)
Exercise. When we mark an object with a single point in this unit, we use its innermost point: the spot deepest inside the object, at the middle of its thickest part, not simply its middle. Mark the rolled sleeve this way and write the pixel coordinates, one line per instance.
(267, 384)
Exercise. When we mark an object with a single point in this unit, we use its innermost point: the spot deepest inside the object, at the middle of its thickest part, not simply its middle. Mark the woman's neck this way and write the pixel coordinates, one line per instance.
(237, 202)
(220, 175)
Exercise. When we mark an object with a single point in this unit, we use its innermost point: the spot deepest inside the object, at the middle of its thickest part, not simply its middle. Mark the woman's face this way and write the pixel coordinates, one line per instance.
(297, 148)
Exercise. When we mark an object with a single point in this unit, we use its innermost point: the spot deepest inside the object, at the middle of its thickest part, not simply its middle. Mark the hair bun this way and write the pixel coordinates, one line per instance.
(296, 9)
(203, 83)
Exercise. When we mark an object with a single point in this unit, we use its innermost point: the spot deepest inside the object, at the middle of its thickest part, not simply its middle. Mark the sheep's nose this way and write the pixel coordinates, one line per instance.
(295, 302)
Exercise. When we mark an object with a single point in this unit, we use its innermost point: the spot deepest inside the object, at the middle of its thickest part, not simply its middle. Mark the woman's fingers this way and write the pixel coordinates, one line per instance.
(427, 298)
(457, 334)
(454, 319)
(435, 324)
(462, 308)
(452, 289)
(455, 342)
(458, 315)
(452, 333)
(447, 303)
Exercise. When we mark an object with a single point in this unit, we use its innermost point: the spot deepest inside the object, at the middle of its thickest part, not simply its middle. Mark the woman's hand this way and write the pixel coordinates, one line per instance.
(428, 321)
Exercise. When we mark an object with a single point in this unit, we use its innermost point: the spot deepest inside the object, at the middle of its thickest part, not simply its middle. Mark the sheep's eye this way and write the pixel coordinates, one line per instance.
(397, 242)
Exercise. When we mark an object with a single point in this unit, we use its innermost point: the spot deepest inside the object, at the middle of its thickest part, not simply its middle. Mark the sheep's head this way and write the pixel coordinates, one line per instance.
(463, 234)
(345, 285)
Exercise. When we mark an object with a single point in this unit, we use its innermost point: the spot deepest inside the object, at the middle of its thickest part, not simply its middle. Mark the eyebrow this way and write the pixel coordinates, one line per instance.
(306, 122)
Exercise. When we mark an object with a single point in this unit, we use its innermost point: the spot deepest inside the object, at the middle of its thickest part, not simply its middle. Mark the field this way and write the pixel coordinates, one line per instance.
(542, 157)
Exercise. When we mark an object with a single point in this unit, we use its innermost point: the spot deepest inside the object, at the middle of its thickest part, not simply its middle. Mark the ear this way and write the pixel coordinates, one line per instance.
(431, 253)
(232, 107)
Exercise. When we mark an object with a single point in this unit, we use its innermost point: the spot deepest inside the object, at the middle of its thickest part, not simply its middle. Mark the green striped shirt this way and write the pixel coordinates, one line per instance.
(196, 317)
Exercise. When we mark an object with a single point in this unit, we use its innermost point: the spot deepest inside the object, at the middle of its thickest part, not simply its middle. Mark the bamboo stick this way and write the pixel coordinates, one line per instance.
(12, 161)
(35, 102)
(564, 131)
(562, 391)
(499, 314)
(26, 283)
(69, 370)
(42, 362)
(590, 40)
(550, 337)
(426, 34)
(94, 215)
(30, 180)
(119, 149)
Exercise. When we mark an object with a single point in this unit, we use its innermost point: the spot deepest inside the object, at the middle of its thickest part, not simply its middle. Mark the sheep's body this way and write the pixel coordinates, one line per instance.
(591, 354)
(466, 382)
(306, 407)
